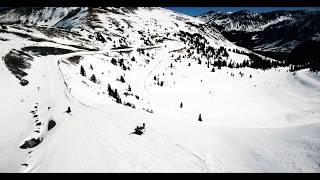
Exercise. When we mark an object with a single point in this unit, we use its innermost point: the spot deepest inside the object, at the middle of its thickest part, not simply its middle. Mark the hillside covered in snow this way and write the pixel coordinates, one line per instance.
(292, 36)
(147, 90)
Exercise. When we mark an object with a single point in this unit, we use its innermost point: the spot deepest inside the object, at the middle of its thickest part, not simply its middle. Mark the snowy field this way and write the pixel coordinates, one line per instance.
(252, 120)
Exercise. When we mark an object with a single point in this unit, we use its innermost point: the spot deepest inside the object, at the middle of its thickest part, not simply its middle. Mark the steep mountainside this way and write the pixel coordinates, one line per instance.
(245, 20)
(275, 34)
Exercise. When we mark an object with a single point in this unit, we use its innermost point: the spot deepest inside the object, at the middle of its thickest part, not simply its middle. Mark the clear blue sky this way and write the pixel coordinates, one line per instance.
(194, 11)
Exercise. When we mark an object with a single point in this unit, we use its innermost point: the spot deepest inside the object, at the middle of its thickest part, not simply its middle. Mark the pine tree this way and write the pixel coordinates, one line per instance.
(82, 71)
(212, 70)
(181, 105)
(200, 118)
(122, 79)
(117, 97)
(224, 63)
(114, 61)
(114, 94)
(110, 91)
(93, 78)
(68, 110)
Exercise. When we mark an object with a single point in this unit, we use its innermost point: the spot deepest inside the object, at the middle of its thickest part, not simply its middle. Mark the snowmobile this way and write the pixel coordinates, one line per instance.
(139, 130)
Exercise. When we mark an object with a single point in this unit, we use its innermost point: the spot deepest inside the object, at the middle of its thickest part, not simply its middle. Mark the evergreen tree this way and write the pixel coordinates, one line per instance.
(200, 118)
(114, 61)
(93, 78)
(224, 63)
(114, 94)
(122, 79)
(68, 110)
(110, 91)
(82, 71)
(117, 97)
(181, 105)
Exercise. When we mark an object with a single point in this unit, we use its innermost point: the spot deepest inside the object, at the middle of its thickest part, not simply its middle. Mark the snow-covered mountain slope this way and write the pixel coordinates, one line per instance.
(248, 21)
(45, 16)
(289, 35)
(73, 96)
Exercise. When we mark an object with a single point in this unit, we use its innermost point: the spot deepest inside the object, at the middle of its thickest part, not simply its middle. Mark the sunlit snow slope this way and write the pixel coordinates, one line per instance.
(124, 67)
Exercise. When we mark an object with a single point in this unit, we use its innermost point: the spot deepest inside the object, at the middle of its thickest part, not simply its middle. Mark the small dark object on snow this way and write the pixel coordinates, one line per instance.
(24, 82)
(199, 118)
(139, 129)
(37, 131)
(51, 124)
(49, 108)
(31, 143)
(26, 165)
(69, 110)
(38, 124)
(181, 105)
(35, 116)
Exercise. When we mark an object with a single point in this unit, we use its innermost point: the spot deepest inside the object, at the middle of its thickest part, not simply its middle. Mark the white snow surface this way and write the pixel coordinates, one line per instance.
(266, 123)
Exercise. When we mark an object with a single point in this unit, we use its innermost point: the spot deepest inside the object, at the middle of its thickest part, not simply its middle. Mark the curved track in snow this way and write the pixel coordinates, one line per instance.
(98, 139)
(79, 143)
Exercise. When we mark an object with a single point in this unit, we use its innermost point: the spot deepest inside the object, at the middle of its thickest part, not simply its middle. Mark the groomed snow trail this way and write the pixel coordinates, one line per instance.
(96, 140)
